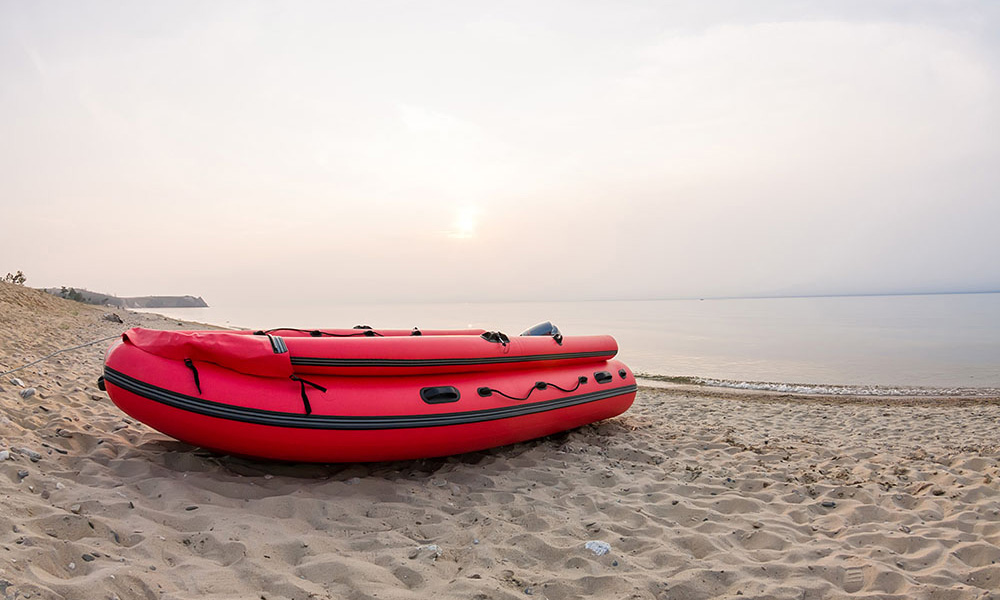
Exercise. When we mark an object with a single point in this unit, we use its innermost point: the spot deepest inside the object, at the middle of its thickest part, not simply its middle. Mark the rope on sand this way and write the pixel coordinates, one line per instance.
(44, 358)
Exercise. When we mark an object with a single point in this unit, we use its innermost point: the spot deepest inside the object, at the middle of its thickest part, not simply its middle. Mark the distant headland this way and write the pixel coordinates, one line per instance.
(90, 297)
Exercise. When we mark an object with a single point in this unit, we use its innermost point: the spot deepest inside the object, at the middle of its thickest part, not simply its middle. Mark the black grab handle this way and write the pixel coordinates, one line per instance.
(440, 395)
(603, 377)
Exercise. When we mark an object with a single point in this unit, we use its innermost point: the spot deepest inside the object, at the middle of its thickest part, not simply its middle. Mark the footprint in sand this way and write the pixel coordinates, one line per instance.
(854, 579)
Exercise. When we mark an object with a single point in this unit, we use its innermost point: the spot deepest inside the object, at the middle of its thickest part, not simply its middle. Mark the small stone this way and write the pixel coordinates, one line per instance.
(438, 482)
(598, 547)
(59, 485)
(529, 591)
(72, 566)
(112, 317)
(475, 541)
(4, 455)
(88, 557)
(829, 504)
(27, 393)
(904, 529)
(192, 507)
(21, 473)
(17, 382)
(75, 509)
(31, 454)
(45, 494)
(433, 550)
(353, 481)
(614, 563)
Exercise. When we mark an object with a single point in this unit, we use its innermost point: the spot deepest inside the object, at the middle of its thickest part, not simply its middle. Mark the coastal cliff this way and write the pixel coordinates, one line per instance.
(90, 297)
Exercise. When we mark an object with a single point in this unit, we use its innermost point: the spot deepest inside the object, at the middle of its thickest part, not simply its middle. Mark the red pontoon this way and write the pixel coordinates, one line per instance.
(359, 395)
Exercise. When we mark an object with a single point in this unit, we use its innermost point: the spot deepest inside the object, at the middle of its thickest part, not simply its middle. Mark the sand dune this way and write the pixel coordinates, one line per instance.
(698, 493)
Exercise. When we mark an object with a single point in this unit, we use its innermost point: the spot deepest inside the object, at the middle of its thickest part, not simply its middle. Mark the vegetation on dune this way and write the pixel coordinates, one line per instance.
(84, 296)
(15, 278)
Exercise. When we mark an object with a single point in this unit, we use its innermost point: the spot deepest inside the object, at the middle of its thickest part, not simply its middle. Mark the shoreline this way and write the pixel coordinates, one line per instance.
(772, 397)
(806, 391)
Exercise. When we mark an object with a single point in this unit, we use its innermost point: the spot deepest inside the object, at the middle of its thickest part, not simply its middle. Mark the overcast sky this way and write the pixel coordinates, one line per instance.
(490, 151)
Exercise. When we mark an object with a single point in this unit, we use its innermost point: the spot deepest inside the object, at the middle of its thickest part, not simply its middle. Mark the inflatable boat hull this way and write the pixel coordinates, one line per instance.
(358, 413)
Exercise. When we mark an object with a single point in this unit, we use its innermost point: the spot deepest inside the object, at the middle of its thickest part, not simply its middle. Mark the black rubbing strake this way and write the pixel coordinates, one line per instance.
(308, 361)
(298, 420)
(277, 344)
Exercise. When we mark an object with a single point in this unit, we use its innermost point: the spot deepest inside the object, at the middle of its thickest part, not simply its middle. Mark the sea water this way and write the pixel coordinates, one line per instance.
(921, 344)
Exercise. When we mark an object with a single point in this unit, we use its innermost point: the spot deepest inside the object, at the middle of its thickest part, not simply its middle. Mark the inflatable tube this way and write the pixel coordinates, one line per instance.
(389, 355)
(244, 394)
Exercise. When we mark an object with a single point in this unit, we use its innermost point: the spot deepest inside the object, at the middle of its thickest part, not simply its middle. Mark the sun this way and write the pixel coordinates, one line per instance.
(466, 221)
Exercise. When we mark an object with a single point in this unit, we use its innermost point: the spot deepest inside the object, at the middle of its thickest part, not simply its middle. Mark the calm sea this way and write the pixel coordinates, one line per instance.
(859, 344)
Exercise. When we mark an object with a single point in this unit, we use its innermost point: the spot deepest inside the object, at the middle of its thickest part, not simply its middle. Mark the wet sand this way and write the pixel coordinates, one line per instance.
(697, 493)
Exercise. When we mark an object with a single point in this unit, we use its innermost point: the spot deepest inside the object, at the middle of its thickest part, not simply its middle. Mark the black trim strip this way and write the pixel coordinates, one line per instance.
(277, 344)
(442, 362)
(314, 421)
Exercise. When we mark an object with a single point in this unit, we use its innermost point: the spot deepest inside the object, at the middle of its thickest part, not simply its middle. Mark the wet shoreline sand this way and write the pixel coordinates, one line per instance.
(699, 493)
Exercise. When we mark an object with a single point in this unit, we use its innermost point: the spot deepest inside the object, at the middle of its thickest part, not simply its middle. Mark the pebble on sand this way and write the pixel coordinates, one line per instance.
(433, 550)
(598, 547)
(27, 393)
(31, 454)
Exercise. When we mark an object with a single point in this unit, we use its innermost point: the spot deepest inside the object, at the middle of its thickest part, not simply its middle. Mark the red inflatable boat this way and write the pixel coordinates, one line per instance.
(364, 395)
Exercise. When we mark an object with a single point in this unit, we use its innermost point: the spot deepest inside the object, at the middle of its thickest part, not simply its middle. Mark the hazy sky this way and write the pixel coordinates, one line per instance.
(299, 151)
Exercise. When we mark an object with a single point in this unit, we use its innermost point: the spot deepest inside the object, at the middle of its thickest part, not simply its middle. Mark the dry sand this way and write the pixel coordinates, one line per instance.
(698, 493)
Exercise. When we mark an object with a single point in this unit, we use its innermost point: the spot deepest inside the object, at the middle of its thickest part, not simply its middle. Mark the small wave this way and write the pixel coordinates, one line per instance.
(818, 389)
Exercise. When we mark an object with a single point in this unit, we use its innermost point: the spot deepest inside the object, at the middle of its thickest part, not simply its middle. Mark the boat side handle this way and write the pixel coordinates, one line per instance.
(440, 394)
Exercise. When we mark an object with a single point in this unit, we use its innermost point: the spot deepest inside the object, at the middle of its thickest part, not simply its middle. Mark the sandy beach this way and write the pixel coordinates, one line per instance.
(695, 493)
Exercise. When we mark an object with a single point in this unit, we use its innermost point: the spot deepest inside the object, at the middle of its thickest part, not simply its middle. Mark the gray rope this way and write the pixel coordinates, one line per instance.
(59, 352)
